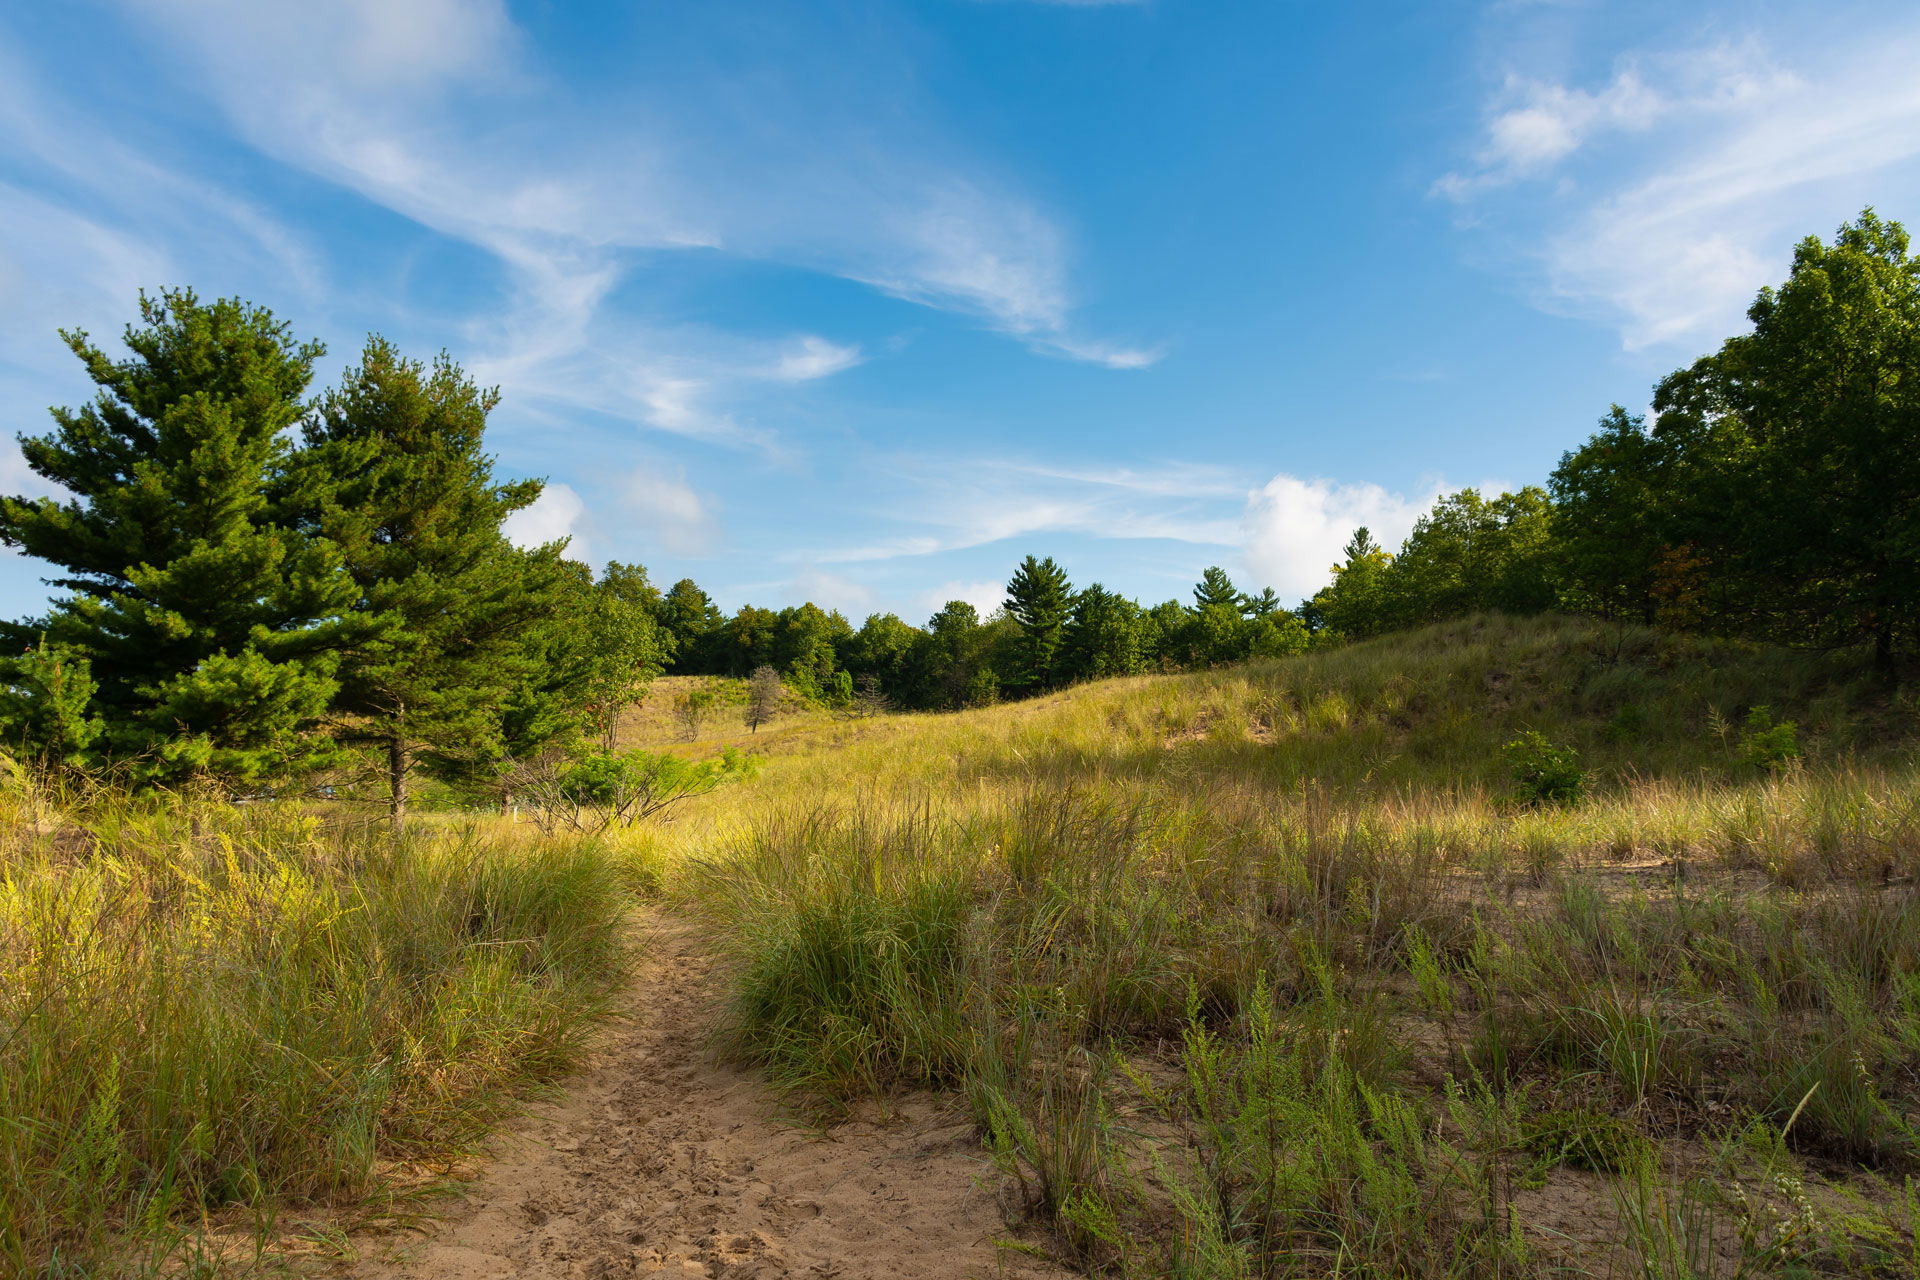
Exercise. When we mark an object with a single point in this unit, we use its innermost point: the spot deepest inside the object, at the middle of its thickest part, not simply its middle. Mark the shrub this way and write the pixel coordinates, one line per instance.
(1767, 744)
(1592, 1140)
(1542, 772)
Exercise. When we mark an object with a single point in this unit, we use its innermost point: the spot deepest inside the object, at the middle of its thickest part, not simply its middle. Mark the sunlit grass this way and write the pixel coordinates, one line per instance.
(1315, 874)
(208, 1014)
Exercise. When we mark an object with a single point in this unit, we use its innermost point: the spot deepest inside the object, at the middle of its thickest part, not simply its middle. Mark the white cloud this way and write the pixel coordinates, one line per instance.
(1735, 153)
(813, 357)
(831, 591)
(667, 507)
(1294, 529)
(955, 504)
(1533, 124)
(985, 595)
(557, 513)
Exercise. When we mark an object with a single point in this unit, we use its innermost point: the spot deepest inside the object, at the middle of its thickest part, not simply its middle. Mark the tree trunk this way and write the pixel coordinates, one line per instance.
(1883, 649)
(397, 783)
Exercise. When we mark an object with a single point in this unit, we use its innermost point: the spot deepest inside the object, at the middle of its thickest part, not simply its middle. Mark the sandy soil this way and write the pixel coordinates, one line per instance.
(659, 1161)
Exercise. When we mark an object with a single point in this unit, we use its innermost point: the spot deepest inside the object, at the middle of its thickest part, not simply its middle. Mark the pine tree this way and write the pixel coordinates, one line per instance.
(394, 476)
(46, 706)
(1263, 605)
(1215, 587)
(212, 629)
(1354, 603)
(1038, 599)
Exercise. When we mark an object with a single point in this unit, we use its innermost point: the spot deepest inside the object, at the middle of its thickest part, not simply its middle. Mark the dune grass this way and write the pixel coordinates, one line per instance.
(209, 1014)
(1267, 971)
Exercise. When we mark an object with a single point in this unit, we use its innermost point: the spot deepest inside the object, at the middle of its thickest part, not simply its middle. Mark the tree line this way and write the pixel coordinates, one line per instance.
(1775, 495)
(260, 581)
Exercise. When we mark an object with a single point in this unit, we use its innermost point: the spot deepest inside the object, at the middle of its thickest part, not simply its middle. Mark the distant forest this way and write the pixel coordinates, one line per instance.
(259, 579)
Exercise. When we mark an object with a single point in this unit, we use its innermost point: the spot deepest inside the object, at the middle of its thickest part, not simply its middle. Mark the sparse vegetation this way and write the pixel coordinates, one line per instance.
(1319, 1000)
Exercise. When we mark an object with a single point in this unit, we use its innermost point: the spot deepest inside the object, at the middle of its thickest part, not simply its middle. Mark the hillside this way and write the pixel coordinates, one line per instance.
(1280, 969)
(1251, 971)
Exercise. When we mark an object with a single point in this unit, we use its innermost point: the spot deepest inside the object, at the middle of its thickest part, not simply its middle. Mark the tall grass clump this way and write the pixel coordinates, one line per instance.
(210, 1013)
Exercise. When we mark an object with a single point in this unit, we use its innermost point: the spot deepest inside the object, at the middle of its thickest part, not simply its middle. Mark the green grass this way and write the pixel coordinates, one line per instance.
(208, 1015)
(1267, 971)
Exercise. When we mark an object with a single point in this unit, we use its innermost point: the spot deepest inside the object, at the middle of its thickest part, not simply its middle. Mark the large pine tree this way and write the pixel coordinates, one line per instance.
(1039, 598)
(212, 629)
(394, 474)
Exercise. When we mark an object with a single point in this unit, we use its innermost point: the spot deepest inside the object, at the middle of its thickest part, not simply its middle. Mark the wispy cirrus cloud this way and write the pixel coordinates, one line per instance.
(1661, 199)
(958, 504)
(569, 191)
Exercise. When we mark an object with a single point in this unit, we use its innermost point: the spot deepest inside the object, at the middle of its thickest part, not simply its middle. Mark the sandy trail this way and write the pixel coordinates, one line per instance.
(659, 1161)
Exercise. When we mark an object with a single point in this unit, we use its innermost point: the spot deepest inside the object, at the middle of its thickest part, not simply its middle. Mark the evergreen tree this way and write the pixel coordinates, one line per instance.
(212, 629)
(1354, 604)
(394, 475)
(1263, 605)
(46, 706)
(1215, 587)
(1038, 599)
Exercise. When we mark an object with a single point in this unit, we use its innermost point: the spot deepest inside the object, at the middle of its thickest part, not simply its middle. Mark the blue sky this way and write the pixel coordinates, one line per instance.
(861, 302)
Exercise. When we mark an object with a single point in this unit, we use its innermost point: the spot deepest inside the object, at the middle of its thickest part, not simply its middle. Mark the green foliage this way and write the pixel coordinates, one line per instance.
(1104, 636)
(1596, 1141)
(212, 628)
(394, 476)
(1794, 472)
(1766, 743)
(640, 784)
(46, 706)
(1216, 588)
(1039, 600)
(1542, 772)
(692, 707)
(1356, 603)
(625, 646)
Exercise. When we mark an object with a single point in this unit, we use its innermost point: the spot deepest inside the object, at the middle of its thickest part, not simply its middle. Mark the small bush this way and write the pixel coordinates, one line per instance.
(1590, 1140)
(1767, 744)
(1544, 773)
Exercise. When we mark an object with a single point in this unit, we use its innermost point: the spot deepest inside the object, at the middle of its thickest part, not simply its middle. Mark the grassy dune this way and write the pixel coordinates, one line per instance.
(208, 1014)
(1264, 972)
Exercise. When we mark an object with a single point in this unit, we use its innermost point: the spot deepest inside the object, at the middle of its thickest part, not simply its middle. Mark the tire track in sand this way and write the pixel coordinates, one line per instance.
(660, 1161)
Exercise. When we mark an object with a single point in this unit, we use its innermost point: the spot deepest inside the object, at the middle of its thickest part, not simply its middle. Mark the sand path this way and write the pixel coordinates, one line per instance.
(660, 1161)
